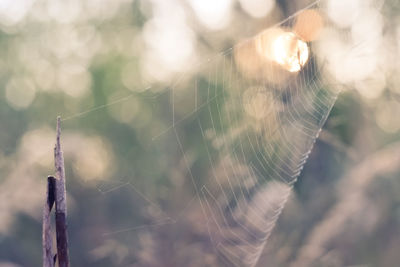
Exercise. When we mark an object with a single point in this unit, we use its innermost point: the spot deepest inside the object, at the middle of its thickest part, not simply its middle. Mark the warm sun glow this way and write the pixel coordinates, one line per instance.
(309, 25)
(290, 52)
(284, 48)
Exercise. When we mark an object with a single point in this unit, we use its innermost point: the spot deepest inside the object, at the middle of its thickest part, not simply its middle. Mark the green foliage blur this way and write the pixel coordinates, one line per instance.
(105, 66)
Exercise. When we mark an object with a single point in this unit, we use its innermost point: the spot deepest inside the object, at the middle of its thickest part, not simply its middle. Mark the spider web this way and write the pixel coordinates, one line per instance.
(238, 134)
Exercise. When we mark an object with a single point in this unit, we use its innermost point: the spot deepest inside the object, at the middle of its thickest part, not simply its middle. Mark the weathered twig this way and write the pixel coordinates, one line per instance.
(61, 203)
(48, 257)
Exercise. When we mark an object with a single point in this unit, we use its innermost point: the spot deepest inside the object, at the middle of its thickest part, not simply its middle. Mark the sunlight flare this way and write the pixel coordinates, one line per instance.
(284, 48)
(290, 52)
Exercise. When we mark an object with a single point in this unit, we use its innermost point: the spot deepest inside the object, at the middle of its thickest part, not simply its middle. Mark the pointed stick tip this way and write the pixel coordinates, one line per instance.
(58, 133)
(58, 127)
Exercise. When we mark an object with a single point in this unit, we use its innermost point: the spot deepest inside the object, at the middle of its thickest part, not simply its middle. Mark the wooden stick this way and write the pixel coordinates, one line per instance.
(48, 258)
(61, 203)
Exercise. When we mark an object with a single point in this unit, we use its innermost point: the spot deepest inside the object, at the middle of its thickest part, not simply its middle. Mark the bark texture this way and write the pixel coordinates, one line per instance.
(61, 203)
(48, 257)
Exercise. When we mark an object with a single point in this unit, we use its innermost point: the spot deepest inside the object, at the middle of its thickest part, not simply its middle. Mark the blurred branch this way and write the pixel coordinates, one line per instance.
(351, 196)
(334, 141)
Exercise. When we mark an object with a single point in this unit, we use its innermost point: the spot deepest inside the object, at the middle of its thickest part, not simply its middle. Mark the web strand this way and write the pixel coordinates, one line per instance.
(250, 126)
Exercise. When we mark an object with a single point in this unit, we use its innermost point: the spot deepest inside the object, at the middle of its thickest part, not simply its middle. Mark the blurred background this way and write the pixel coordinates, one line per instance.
(104, 65)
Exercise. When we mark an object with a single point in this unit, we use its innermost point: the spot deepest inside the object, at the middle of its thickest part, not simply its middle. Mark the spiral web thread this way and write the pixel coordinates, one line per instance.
(257, 132)
(254, 124)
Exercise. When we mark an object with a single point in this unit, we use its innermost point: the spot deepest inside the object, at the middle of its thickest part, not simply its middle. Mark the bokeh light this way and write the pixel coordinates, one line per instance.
(215, 15)
(387, 116)
(115, 68)
(93, 160)
(13, 11)
(74, 80)
(284, 48)
(126, 111)
(309, 24)
(259, 103)
(257, 8)
(20, 92)
(64, 11)
(290, 52)
(36, 148)
(169, 40)
(343, 12)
